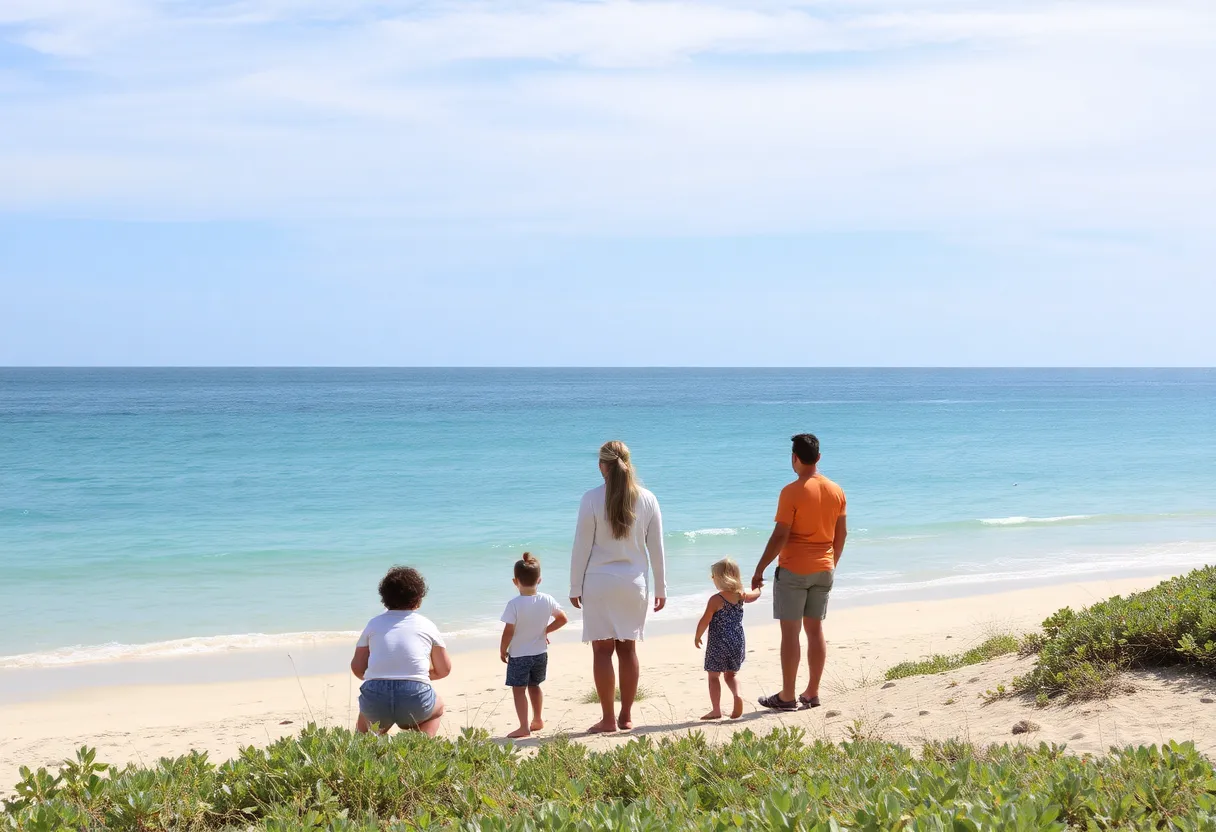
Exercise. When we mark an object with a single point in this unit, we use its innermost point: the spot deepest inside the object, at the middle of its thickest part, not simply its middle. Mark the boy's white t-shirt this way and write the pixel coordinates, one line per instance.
(400, 642)
(531, 615)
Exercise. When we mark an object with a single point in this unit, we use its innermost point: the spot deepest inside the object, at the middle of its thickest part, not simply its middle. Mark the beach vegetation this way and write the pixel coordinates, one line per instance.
(592, 697)
(997, 645)
(1082, 654)
(334, 779)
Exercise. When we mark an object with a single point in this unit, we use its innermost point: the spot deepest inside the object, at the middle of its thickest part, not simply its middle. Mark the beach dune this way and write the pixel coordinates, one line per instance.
(142, 722)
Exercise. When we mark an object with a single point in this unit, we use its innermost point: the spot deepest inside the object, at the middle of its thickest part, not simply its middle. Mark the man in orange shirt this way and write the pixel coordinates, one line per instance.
(806, 543)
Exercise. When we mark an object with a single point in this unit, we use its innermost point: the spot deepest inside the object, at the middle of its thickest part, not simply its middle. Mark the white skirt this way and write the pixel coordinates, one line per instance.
(613, 607)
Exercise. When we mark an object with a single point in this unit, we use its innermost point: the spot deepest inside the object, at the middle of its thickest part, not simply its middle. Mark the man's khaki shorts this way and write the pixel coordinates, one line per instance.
(798, 596)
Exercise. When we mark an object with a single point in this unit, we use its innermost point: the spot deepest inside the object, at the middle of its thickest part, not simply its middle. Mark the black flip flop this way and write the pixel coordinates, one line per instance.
(776, 703)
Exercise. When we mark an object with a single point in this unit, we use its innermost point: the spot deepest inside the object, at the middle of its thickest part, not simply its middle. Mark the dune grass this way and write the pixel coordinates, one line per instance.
(332, 779)
(592, 697)
(991, 648)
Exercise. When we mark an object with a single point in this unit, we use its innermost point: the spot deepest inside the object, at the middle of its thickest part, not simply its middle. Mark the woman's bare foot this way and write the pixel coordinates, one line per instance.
(737, 711)
(604, 726)
(519, 733)
(713, 715)
(625, 723)
(537, 724)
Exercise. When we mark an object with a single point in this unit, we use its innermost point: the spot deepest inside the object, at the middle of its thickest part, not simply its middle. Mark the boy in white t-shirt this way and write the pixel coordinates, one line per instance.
(397, 656)
(529, 618)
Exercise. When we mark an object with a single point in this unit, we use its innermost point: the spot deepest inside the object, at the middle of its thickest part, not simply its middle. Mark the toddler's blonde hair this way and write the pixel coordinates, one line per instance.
(726, 577)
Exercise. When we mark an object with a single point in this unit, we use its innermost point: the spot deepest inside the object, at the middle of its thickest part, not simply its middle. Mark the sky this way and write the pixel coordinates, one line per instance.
(382, 182)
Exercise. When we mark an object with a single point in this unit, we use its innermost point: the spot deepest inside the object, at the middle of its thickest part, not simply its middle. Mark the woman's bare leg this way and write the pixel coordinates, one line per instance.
(627, 658)
(605, 685)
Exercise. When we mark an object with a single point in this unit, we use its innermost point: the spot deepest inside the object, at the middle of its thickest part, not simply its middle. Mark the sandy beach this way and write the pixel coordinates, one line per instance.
(142, 722)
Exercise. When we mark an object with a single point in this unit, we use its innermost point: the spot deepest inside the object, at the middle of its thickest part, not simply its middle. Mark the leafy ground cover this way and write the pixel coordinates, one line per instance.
(1081, 654)
(336, 780)
(999, 645)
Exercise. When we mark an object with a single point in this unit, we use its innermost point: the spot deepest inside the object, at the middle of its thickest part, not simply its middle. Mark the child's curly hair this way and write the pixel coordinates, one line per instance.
(403, 588)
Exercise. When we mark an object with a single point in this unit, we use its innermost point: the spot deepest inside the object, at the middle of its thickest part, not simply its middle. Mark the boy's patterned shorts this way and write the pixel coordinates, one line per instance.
(525, 671)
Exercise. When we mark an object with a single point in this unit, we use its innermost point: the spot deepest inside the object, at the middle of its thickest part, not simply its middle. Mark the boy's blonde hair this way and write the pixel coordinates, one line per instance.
(726, 576)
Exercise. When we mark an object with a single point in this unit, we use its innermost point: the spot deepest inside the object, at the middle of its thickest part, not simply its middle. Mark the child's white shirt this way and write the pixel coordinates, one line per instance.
(531, 615)
(401, 643)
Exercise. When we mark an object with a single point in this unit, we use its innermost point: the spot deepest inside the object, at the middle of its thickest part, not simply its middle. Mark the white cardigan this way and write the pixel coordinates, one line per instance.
(596, 551)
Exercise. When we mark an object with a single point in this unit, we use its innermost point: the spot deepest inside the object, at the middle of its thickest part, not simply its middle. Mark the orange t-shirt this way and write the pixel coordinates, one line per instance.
(810, 508)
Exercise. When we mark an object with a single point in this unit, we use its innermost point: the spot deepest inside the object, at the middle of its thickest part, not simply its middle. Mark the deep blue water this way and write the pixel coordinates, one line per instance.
(139, 506)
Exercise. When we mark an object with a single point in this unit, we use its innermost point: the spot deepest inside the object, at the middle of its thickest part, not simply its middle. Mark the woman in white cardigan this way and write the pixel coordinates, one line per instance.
(617, 543)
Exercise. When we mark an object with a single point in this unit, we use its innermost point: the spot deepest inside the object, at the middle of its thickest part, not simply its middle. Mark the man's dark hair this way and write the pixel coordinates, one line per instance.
(403, 588)
(806, 448)
(527, 570)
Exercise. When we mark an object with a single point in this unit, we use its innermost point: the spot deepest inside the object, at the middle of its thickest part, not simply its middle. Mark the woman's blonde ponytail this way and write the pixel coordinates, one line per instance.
(621, 492)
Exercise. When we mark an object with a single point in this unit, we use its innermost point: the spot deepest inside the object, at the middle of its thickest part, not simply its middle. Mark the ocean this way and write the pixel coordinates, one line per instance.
(148, 512)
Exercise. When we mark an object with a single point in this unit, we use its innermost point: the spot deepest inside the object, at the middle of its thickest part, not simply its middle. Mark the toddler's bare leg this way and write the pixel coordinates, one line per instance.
(732, 682)
(521, 711)
(538, 700)
(431, 726)
(715, 696)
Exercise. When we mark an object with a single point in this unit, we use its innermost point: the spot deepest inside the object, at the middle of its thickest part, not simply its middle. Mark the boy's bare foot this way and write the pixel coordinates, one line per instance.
(737, 711)
(537, 724)
(713, 715)
(518, 733)
(625, 723)
(604, 726)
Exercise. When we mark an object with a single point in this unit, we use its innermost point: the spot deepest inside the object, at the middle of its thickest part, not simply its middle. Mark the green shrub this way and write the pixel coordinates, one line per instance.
(331, 779)
(1082, 653)
(1000, 645)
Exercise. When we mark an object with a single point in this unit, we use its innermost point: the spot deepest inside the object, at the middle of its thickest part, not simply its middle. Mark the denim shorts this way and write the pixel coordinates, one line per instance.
(526, 671)
(400, 702)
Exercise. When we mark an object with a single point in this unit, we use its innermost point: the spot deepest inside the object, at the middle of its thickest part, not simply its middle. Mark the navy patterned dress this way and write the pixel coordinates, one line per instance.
(727, 645)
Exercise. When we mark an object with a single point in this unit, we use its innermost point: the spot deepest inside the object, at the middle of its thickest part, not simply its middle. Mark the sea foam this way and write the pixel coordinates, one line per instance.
(1024, 521)
(693, 535)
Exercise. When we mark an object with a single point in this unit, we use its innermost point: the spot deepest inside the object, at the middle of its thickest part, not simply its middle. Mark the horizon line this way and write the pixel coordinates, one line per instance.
(1144, 367)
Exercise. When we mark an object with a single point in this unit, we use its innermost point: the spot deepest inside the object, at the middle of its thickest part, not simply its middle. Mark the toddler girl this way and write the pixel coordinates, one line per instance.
(726, 647)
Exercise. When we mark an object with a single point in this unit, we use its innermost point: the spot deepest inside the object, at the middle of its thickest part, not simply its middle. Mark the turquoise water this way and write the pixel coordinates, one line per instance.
(144, 506)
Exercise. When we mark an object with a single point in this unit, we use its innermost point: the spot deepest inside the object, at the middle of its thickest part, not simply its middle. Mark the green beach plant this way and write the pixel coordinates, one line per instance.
(333, 779)
(592, 697)
(997, 645)
(1081, 654)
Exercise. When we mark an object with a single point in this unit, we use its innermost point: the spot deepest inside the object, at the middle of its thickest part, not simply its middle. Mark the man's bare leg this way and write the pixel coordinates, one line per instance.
(791, 658)
(816, 655)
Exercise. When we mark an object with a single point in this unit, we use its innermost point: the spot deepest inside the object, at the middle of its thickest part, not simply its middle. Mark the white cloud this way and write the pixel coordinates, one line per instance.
(626, 116)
